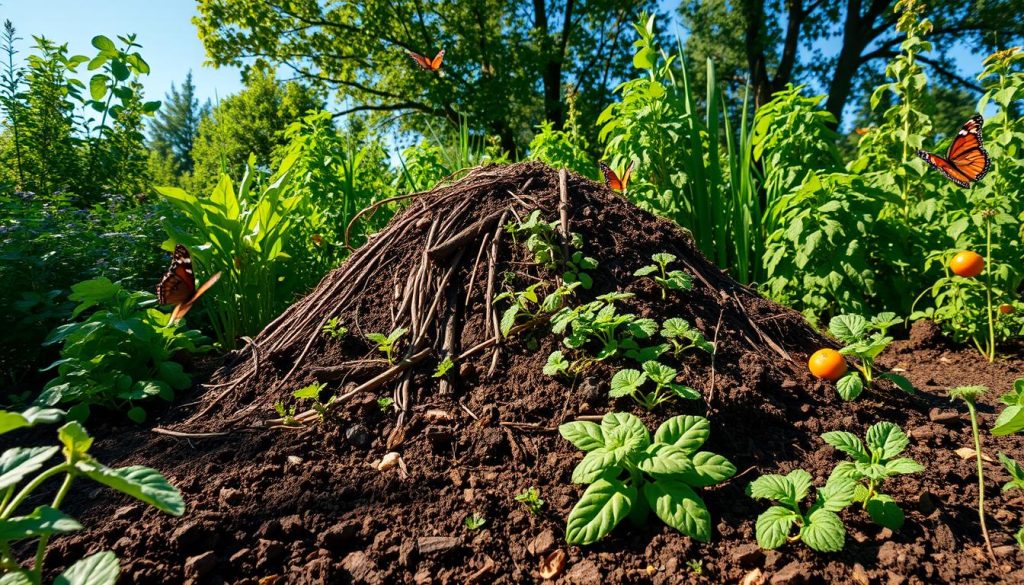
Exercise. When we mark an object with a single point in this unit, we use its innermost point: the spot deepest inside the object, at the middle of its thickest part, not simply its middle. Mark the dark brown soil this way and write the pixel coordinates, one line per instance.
(282, 505)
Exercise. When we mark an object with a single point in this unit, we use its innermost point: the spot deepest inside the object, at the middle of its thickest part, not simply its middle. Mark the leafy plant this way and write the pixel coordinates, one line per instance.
(384, 403)
(615, 333)
(386, 343)
(444, 367)
(1016, 473)
(630, 475)
(528, 304)
(120, 355)
(667, 279)
(969, 395)
(544, 242)
(19, 464)
(864, 340)
(557, 364)
(287, 413)
(474, 521)
(1011, 419)
(313, 392)
(335, 328)
(684, 336)
(630, 383)
(872, 466)
(819, 527)
(531, 499)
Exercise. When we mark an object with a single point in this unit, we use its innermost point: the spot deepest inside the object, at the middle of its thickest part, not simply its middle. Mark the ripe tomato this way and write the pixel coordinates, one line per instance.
(967, 264)
(827, 364)
(1005, 308)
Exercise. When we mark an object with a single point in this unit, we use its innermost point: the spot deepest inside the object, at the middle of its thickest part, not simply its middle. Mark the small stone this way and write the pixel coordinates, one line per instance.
(860, 575)
(359, 566)
(389, 461)
(201, 565)
(926, 504)
(339, 537)
(433, 544)
(748, 555)
(357, 436)
(942, 416)
(791, 574)
(468, 494)
(294, 460)
(542, 543)
(755, 577)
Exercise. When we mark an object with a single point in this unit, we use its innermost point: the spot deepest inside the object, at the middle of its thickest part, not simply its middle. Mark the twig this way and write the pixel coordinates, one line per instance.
(468, 411)
(492, 270)
(442, 251)
(714, 344)
(476, 264)
(563, 211)
(184, 435)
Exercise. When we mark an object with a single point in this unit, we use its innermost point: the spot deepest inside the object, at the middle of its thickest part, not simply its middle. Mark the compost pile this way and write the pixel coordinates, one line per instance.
(300, 499)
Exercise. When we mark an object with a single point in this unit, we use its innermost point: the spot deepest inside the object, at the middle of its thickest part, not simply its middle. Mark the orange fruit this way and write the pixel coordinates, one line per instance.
(967, 264)
(1005, 308)
(827, 364)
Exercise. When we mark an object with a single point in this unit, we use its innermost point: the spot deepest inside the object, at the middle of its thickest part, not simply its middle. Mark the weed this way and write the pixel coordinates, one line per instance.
(696, 566)
(444, 367)
(542, 240)
(287, 413)
(531, 499)
(969, 394)
(386, 343)
(527, 303)
(557, 364)
(615, 333)
(667, 279)
(335, 328)
(384, 403)
(864, 340)
(629, 383)
(312, 392)
(872, 466)
(684, 336)
(474, 521)
(819, 527)
(629, 475)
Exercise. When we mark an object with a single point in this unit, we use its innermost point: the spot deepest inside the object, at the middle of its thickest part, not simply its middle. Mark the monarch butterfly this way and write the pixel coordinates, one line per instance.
(612, 180)
(429, 64)
(966, 162)
(178, 286)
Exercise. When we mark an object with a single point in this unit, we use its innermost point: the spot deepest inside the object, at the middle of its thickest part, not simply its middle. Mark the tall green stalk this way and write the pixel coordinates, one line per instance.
(969, 394)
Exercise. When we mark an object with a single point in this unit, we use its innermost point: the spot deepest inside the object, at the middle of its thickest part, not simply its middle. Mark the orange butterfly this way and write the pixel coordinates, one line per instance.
(178, 286)
(429, 64)
(612, 180)
(966, 162)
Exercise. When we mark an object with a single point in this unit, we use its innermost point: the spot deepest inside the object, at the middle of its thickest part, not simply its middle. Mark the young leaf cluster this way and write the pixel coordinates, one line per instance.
(599, 322)
(530, 498)
(312, 392)
(864, 339)
(527, 304)
(629, 475)
(819, 526)
(22, 472)
(542, 240)
(684, 336)
(873, 465)
(666, 279)
(335, 328)
(630, 383)
(386, 344)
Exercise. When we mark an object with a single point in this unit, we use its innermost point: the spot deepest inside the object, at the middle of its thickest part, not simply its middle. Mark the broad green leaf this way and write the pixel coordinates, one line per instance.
(103, 43)
(646, 270)
(659, 373)
(709, 469)
(584, 435)
(34, 415)
(773, 527)
(43, 520)
(801, 482)
(626, 383)
(136, 414)
(1009, 421)
(848, 328)
(886, 440)
(76, 441)
(660, 459)
(595, 464)
(687, 432)
(663, 258)
(773, 487)
(603, 505)
(847, 443)
(19, 462)
(824, 531)
(885, 511)
(850, 386)
(142, 483)
(101, 568)
(903, 465)
(900, 382)
(839, 491)
(98, 86)
(19, 578)
(680, 507)
(629, 429)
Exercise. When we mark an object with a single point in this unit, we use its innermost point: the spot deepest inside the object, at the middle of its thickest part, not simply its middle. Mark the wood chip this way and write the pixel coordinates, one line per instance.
(552, 565)
(437, 415)
(968, 453)
(389, 461)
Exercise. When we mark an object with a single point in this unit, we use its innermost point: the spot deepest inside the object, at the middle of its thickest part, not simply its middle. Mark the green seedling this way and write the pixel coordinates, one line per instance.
(599, 322)
(872, 466)
(543, 241)
(630, 383)
(1011, 419)
(820, 527)
(864, 340)
(444, 367)
(628, 475)
(1016, 473)
(312, 392)
(20, 478)
(696, 566)
(969, 395)
(384, 403)
(531, 499)
(335, 328)
(667, 279)
(557, 365)
(474, 521)
(684, 336)
(527, 304)
(386, 343)
(287, 413)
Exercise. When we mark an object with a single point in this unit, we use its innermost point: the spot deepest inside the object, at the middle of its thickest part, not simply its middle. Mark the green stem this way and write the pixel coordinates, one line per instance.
(37, 568)
(991, 353)
(981, 478)
(35, 483)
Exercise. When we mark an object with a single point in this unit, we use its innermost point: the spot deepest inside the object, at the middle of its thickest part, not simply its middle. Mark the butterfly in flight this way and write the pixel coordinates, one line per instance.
(178, 286)
(433, 65)
(612, 180)
(966, 162)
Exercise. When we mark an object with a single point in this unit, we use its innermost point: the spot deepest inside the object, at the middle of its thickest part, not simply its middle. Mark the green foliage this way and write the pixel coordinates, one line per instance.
(566, 148)
(22, 473)
(384, 403)
(528, 304)
(599, 323)
(1016, 473)
(474, 521)
(531, 499)
(175, 127)
(872, 466)
(443, 367)
(819, 526)
(666, 279)
(1011, 419)
(557, 364)
(313, 393)
(864, 339)
(684, 336)
(386, 344)
(629, 475)
(630, 383)
(120, 355)
(335, 329)
(543, 241)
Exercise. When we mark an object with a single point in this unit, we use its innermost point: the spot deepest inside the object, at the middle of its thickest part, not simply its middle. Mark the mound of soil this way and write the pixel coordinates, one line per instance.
(276, 504)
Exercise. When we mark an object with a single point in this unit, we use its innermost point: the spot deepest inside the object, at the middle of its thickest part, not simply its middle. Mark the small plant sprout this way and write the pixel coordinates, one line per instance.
(543, 241)
(474, 521)
(629, 475)
(312, 392)
(667, 279)
(696, 566)
(527, 304)
(684, 336)
(600, 322)
(970, 394)
(872, 466)
(287, 414)
(386, 343)
(384, 403)
(819, 527)
(557, 365)
(444, 367)
(1016, 473)
(864, 340)
(531, 499)
(1011, 419)
(335, 328)
(629, 383)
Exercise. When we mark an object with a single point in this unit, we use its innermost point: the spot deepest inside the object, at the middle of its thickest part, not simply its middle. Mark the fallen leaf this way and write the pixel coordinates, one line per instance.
(396, 438)
(968, 453)
(551, 566)
(754, 577)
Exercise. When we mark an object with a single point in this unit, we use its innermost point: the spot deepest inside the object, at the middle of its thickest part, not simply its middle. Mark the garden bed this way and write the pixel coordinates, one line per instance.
(307, 504)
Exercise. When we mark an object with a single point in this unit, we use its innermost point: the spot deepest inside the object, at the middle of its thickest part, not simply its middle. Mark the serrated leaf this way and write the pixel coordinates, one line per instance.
(629, 429)
(824, 531)
(773, 527)
(584, 435)
(659, 373)
(848, 328)
(626, 383)
(34, 415)
(687, 432)
(886, 440)
(680, 507)
(847, 443)
(885, 512)
(839, 491)
(603, 505)
(789, 489)
(101, 568)
(850, 386)
(142, 483)
(646, 270)
(709, 469)
(660, 459)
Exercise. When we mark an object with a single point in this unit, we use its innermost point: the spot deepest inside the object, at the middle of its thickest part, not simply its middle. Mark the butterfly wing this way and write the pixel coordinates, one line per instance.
(181, 309)
(966, 162)
(435, 65)
(179, 282)
(420, 60)
(627, 174)
(610, 178)
(947, 168)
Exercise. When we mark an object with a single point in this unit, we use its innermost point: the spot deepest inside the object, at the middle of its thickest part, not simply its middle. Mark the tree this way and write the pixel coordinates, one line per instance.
(506, 63)
(12, 79)
(251, 121)
(173, 132)
(773, 36)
